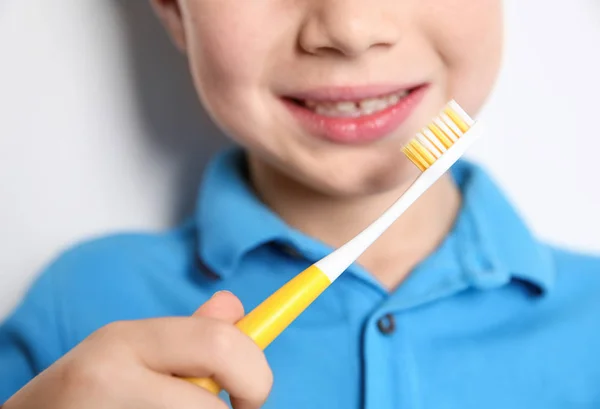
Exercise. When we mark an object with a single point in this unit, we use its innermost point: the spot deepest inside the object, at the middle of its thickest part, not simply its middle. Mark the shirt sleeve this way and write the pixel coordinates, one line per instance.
(30, 338)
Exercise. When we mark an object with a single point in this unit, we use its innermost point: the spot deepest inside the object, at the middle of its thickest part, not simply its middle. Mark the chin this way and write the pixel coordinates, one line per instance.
(358, 179)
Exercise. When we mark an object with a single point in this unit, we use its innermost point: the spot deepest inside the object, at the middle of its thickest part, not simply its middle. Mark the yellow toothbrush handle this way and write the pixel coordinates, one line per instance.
(265, 322)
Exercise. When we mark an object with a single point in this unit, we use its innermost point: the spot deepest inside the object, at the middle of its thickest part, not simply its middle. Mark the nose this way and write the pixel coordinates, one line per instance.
(349, 27)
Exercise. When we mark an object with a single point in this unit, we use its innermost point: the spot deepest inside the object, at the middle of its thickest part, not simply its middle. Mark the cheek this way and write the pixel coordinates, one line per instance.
(227, 47)
(216, 59)
(468, 36)
(231, 47)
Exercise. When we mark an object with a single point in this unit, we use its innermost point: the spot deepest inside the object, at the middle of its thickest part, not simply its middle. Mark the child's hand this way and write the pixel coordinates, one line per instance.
(131, 365)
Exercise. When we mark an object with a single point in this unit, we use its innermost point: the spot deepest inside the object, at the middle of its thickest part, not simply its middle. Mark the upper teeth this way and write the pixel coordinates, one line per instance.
(354, 109)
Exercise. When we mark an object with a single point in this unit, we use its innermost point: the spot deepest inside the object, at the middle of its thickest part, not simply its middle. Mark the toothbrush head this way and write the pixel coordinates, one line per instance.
(439, 136)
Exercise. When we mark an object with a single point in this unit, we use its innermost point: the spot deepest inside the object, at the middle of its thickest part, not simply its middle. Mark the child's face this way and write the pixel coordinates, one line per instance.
(253, 61)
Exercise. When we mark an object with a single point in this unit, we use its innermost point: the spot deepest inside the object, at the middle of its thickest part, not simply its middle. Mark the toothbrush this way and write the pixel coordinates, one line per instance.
(434, 150)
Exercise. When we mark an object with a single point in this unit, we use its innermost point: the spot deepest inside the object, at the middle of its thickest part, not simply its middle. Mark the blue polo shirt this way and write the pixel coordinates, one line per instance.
(492, 319)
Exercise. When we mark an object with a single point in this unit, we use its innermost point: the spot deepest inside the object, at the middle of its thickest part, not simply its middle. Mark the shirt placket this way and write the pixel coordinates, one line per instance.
(388, 366)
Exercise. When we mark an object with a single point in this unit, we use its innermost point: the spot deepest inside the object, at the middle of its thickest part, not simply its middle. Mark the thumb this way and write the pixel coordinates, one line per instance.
(223, 306)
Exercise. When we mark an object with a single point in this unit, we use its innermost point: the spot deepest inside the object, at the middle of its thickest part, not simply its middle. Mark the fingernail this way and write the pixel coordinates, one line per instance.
(221, 292)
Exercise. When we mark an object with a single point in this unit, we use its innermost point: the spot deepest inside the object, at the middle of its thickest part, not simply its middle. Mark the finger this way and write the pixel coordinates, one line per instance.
(223, 306)
(226, 306)
(202, 347)
(240, 403)
(166, 392)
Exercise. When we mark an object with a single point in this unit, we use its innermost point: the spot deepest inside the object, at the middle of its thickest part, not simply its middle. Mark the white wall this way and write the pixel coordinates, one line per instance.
(98, 122)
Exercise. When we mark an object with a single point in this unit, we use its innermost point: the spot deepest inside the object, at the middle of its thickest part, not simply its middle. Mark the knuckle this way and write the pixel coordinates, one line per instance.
(227, 346)
(264, 382)
(91, 374)
(268, 379)
(111, 340)
(110, 333)
(257, 374)
(222, 340)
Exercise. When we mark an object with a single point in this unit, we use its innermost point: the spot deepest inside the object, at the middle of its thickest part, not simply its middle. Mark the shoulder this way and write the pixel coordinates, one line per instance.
(123, 255)
(124, 276)
(576, 288)
(126, 250)
(576, 268)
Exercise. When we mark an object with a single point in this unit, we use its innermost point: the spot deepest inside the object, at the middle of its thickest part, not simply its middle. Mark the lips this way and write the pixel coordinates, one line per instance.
(354, 115)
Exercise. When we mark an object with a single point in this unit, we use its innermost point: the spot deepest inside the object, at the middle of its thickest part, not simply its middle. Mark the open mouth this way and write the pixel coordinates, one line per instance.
(354, 115)
(353, 108)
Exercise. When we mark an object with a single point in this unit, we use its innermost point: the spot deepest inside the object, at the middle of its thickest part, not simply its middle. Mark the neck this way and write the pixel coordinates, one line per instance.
(335, 220)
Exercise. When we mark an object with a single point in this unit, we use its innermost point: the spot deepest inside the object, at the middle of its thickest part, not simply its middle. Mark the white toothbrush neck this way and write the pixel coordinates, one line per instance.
(338, 261)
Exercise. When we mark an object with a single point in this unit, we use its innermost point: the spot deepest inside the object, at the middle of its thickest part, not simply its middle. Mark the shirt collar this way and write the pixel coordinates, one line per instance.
(502, 241)
(232, 221)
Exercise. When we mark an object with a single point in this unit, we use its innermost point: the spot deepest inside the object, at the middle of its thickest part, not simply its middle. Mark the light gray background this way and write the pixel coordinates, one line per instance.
(100, 129)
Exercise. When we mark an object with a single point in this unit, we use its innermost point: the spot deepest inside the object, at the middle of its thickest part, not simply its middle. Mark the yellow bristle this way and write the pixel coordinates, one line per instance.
(444, 131)
(427, 144)
(441, 135)
(416, 158)
(413, 158)
(453, 131)
(433, 140)
(423, 152)
(456, 118)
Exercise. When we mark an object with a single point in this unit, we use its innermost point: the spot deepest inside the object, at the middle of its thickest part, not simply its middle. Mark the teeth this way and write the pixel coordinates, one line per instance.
(346, 107)
(328, 110)
(374, 105)
(354, 109)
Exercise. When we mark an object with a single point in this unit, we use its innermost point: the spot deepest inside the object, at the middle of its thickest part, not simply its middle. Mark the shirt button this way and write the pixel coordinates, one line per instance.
(386, 324)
